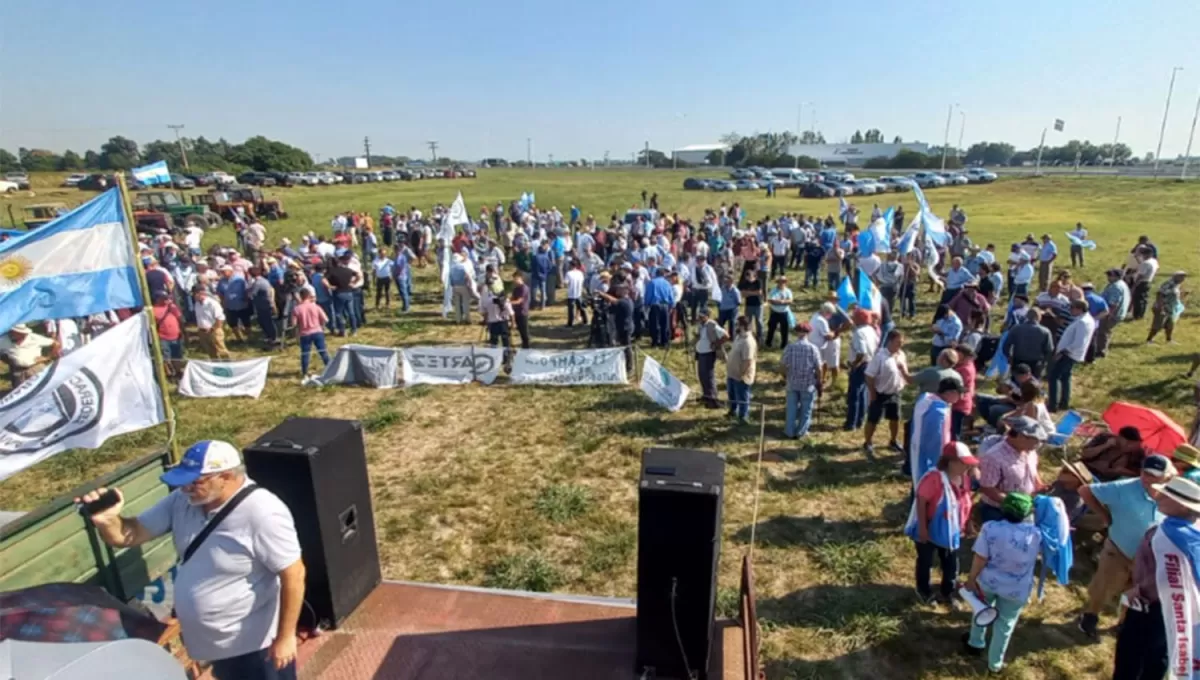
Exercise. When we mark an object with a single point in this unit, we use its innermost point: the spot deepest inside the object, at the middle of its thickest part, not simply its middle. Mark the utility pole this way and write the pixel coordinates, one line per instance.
(1038, 168)
(647, 154)
(432, 151)
(606, 159)
(1187, 155)
(529, 151)
(179, 141)
(367, 149)
(946, 139)
(1116, 136)
(551, 160)
(1163, 130)
(961, 129)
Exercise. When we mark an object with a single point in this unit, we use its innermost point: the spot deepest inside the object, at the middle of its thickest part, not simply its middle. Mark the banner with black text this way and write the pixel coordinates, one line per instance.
(569, 367)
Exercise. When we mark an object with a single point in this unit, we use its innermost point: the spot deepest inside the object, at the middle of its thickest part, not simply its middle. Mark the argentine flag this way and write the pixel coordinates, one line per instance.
(78, 265)
(155, 173)
(944, 526)
(845, 294)
(933, 225)
(930, 432)
(868, 295)
(876, 238)
(1076, 241)
(843, 209)
(909, 240)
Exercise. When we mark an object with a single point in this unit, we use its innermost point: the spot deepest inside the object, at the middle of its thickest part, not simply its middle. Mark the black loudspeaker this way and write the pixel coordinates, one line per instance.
(679, 545)
(318, 467)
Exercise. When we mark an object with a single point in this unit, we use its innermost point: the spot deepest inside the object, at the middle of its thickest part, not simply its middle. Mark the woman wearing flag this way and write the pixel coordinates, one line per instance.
(930, 431)
(1002, 575)
(1166, 568)
(939, 514)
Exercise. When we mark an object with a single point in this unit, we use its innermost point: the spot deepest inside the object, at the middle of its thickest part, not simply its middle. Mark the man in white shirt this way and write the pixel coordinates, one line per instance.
(780, 247)
(192, 236)
(870, 265)
(864, 342)
(821, 336)
(1047, 254)
(575, 280)
(886, 375)
(1143, 279)
(1078, 234)
(210, 322)
(711, 337)
(255, 235)
(22, 350)
(1022, 276)
(1072, 348)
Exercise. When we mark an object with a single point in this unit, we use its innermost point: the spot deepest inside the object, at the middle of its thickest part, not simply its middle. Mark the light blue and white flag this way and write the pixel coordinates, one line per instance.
(1076, 241)
(930, 432)
(909, 240)
(924, 204)
(155, 173)
(869, 297)
(933, 225)
(77, 265)
(876, 238)
(945, 525)
(889, 219)
(998, 366)
(843, 209)
(523, 203)
(532, 198)
(845, 293)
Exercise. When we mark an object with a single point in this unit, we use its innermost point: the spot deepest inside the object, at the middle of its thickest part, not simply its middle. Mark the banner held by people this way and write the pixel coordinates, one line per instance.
(97, 392)
(455, 217)
(662, 387)
(210, 379)
(570, 367)
(450, 365)
(77, 265)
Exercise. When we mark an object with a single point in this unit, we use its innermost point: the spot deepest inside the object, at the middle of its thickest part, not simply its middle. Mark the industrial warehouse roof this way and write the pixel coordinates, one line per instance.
(703, 147)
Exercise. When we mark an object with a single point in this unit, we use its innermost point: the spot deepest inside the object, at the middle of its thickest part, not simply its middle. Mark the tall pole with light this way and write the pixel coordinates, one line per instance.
(1116, 136)
(179, 141)
(1187, 155)
(1167, 109)
(961, 129)
(946, 137)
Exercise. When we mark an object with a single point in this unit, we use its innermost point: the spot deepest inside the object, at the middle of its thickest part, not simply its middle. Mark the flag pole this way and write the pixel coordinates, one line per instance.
(160, 370)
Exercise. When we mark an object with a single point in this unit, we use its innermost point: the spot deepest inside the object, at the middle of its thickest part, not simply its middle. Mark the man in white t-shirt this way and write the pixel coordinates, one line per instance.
(864, 342)
(255, 235)
(886, 376)
(24, 352)
(821, 337)
(575, 279)
(869, 265)
(1079, 233)
(239, 591)
(711, 338)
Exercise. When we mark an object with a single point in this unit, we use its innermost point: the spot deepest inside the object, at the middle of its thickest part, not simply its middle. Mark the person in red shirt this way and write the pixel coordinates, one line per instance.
(954, 465)
(961, 410)
(309, 320)
(169, 321)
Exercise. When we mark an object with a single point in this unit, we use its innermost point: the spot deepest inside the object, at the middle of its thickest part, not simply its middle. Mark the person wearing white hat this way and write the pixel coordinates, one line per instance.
(1164, 570)
(239, 586)
(24, 352)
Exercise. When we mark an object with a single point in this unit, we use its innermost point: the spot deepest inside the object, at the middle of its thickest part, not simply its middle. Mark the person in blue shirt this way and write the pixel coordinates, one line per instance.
(731, 301)
(956, 277)
(232, 289)
(947, 328)
(1046, 255)
(543, 264)
(1128, 508)
(402, 273)
(660, 298)
(828, 236)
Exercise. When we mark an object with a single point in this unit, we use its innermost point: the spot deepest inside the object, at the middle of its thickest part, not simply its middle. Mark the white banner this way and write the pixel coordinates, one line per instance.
(569, 367)
(101, 390)
(450, 365)
(203, 379)
(663, 388)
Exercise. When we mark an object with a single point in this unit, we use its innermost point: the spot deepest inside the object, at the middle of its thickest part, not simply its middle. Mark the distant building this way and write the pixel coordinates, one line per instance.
(854, 154)
(697, 154)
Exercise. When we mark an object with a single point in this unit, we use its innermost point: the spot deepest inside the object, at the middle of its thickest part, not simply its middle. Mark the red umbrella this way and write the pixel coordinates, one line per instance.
(1159, 433)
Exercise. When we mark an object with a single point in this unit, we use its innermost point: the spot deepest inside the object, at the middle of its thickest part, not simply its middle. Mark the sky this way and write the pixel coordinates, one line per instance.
(582, 79)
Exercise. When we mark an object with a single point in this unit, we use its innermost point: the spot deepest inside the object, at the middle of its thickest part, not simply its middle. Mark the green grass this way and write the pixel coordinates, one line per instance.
(462, 476)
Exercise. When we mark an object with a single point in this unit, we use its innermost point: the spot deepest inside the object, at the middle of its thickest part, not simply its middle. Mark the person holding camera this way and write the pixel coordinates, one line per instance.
(240, 581)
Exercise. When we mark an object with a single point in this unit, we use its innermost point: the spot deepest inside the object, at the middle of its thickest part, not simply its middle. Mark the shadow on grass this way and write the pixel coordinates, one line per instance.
(823, 472)
(1165, 391)
(787, 531)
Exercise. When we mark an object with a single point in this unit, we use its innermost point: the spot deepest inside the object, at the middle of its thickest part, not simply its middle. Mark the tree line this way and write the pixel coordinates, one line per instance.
(203, 155)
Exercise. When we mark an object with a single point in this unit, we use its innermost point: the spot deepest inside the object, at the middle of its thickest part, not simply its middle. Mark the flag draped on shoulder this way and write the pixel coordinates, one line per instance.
(100, 390)
(1176, 546)
(77, 265)
(1050, 517)
(155, 173)
(945, 530)
(930, 432)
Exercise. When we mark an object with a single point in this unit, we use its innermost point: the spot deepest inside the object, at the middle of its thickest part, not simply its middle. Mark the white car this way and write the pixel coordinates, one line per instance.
(926, 180)
(7, 187)
(896, 183)
(74, 180)
(955, 178)
(221, 178)
(980, 175)
(746, 185)
(862, 186)
(330, 178)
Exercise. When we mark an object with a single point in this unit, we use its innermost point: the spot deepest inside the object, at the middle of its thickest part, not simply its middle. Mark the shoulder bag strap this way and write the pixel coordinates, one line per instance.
(215, 521)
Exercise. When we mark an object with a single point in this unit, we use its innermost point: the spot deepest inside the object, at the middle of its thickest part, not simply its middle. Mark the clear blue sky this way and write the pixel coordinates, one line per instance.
(582, 78)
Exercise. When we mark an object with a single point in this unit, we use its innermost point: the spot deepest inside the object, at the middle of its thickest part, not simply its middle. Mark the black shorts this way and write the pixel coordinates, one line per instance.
(881, 405)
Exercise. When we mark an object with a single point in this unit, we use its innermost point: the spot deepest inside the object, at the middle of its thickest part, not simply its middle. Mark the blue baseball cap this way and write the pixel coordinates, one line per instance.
(202, 458)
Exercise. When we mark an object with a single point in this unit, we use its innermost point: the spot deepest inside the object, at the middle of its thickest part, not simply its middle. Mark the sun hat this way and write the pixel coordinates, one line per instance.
(21, 328)
(1186, 453)
(1017, 505)
(959, 451)
(202, 458)
(1027, 427)
(1080, 472)
(1157, 465)
(1184, 492)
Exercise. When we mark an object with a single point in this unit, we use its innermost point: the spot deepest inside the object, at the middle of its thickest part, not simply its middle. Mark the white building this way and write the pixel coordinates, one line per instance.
(854, 154)
(697, 154)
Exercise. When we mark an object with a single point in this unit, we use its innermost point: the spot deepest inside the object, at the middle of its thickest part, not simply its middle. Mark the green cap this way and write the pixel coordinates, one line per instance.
(1017, 505)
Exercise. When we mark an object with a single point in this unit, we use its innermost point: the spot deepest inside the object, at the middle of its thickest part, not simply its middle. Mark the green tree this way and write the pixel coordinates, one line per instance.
(873, 136)
(69, 161)
(715, 157)
(878, 162)
(990, 153)
(38, 160)
(810, 137)
(897, 140)
(119, 153)
(91, 160)
(264, 154)
(908, 160)
(658, 159)
(807, 162)
(160, 150)
(857, 137)
(9, 162)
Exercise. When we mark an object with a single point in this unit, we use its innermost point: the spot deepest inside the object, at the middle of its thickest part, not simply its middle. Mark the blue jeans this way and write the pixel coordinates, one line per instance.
(1009, 611)
(266, 322)
(404, 290)
(739, 398)
(538, 292)
(343, 309)
(1060, 384)
(799, 412)
(834, 279)
(307, 343)
(725, 318)
(327, 307)
(754, 313)
(360, 309)
(252, 666)
(660, 324)
(856, 398)
(172, 350)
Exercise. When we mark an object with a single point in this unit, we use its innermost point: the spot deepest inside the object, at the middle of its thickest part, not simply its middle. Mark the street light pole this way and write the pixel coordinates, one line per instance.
(946, 138)
(1167, 109)
(1187, 155)
(1041, 145)
(1116, 136)
(961, 129)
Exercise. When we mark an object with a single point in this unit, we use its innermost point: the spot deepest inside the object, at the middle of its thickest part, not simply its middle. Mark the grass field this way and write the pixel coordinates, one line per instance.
(522, 487)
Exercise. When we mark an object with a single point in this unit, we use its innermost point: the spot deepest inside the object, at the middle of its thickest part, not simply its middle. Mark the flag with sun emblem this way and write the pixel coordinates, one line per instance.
(78, 265)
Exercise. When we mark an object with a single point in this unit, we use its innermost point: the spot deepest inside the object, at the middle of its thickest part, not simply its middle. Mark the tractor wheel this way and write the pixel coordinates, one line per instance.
(272, 216)
(195, 221)
(213, 219)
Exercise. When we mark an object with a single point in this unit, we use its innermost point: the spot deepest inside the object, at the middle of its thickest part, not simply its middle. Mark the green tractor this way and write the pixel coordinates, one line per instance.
(162, 210)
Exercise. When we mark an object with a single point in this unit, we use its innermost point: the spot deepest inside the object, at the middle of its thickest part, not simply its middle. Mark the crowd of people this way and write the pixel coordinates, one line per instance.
(659, 278)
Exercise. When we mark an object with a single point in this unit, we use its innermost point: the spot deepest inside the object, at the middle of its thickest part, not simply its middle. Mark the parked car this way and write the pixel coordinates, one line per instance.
(200, 180)
(840, 188)
(261, 179)
(361, 178)
(861, 186)
(466, 172)
(181, 182)
(742, 173)
(839, 176)
(817, 190)
(74, 179)
(927, 180)
(330, 177)
(8, 187)
(955, 178)
(722, 185)
(390, 176)
(97, 182)
(896, 183)
(220, 178)
(979, 175)
(693, 183)
(746, 185)
(18, 177)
